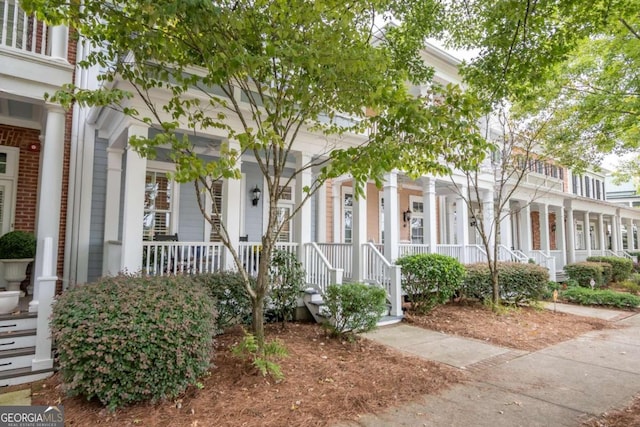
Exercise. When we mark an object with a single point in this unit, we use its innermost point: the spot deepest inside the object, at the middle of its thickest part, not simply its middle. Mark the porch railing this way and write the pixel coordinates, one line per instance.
(506, 254)
(21, 31)
(339, 255)
(405, 249)
(626, 255)
(474, 254)
(378, 271)
(162, 258)
(319, 271)
(547, 261)
(455, 251)
(249, 254)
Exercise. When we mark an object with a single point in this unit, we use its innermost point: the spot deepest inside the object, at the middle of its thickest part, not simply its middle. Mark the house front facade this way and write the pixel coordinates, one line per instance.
(99, 208)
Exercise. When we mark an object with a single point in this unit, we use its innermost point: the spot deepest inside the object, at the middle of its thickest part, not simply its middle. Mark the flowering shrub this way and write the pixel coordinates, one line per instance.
(126, 339)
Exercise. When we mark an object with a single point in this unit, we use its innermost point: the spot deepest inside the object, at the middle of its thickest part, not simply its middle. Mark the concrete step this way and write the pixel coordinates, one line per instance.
(23, 375)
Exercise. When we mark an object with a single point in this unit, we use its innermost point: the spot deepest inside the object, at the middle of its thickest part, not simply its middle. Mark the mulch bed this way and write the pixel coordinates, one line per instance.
(326, 380)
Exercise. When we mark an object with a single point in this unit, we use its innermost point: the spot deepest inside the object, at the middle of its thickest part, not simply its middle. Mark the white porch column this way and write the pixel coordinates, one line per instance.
(391, 231)
(561, 231)
(462, 224)
(543, 212)
(232, 211)
(111, 260)
(587, 233)
(337, 212)
(359, 234)
(59, 42)
(430, 220)
(630, 239)
(488, 220)
(47, 232)
(321, 213)
(601, 234)
(616, 233)
(49, 202)
(302, 220)
(571, 237)
(525, 228)
(505, 228)
(133, 206)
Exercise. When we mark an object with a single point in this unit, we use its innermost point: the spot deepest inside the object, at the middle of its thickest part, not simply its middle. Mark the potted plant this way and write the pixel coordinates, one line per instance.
(17, 250)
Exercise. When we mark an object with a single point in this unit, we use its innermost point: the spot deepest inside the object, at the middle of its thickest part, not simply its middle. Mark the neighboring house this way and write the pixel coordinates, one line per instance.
(625, 194)
(35, 151)
(107, 209)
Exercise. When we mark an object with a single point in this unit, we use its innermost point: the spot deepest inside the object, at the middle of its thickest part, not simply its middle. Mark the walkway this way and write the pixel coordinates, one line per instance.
(561, 385)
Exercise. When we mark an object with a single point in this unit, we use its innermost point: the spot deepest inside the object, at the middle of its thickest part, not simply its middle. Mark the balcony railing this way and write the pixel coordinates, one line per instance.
(21, 31)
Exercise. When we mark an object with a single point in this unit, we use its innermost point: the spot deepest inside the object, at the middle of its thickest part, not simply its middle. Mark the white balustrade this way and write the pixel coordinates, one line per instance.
(164, 258)
(378, 271)
(20, 31)
(319, 271)
(339, 255)
(455, 251)
(547, 261)
(475, 254)
(405, 249)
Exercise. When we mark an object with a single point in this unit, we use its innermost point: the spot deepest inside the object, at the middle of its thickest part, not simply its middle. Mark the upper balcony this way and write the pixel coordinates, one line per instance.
(34, 55)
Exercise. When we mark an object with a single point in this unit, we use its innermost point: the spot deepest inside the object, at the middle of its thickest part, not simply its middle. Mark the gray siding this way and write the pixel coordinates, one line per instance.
(98, 198)
(191, 225)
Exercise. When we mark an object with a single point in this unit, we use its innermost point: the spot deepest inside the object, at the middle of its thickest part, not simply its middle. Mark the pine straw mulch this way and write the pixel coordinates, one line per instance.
(326, 380)
(523, 328)
(627, 417)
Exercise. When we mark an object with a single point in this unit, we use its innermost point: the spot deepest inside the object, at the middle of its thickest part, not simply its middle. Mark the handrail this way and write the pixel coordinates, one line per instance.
(339, 255)
(506, 254)
(318, 271)
(545, 260)
(379, 271)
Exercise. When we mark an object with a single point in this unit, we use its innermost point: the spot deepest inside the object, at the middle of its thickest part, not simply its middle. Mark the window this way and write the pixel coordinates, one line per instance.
(347, 212)
(158, 205)
(597, 187)
(8, 177)
(587, 189)
(283, 212)
(580, 244)
(381, 216)
(417, 222)
(574, 181)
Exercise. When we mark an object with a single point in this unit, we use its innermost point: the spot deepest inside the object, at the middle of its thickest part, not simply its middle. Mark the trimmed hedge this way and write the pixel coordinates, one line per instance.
(232, 305)
(430, 279)
(601, 297)
(583, 272)
(518, 282)
(621, 267)
(127, 338)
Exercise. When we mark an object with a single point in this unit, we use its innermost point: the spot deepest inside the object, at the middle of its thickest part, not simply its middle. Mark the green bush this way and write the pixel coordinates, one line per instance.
(287, 281)
(601, 297)
(430, 279)
(17, 245)
(621, 267)
(583, 272)
(354, 307)
(518, 282)
(232, 305)
(126, 339)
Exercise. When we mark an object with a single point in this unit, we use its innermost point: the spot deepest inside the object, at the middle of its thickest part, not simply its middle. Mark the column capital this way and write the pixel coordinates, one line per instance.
(52, 107)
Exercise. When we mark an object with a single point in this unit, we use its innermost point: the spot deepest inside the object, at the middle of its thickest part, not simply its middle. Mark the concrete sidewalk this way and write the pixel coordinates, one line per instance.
(561, 385)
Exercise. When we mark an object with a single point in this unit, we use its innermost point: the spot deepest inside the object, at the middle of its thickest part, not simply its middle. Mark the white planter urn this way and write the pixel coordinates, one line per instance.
(15, 271)
(9, 301)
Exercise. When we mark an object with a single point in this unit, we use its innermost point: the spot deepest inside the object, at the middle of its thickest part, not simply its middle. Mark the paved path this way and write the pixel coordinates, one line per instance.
(561, 385)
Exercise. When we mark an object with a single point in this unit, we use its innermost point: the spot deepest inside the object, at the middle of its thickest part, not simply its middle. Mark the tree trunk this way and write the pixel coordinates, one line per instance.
(257, 321)
(495, 286)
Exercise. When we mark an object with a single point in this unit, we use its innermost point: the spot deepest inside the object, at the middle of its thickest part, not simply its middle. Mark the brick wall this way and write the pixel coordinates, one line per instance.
(535, 225)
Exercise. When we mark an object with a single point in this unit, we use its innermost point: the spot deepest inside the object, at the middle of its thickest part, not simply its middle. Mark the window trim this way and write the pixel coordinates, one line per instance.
(164, 167)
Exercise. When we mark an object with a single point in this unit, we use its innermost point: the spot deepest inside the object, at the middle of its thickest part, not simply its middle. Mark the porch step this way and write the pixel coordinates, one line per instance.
(389, 320)
(18, 322)
(23, 375)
